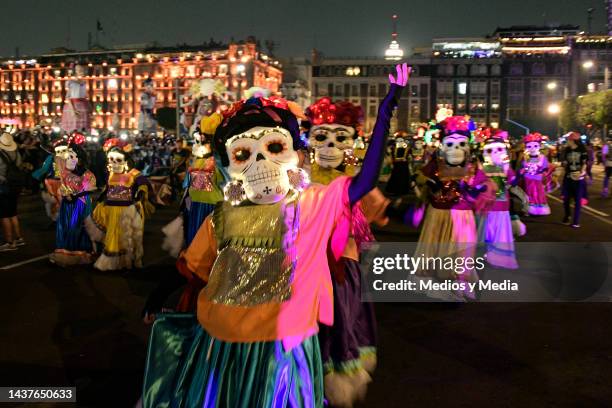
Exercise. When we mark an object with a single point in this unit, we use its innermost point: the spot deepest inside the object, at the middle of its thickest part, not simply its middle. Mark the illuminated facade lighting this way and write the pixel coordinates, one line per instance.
(394, 52)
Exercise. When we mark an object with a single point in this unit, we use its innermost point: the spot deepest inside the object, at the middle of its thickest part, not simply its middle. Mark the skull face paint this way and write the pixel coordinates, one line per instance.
(200, 147)
(260, 159)
(117, 162)
(71, 159)
(533, 148)
(60, 150)
(455, 149)
(495, 153)
(330, 143)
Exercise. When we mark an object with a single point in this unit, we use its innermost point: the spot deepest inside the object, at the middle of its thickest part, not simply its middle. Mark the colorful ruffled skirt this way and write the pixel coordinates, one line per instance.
(120, 230)
(448, 234)
(186, 367)
(538, 203)
(348, 348)
(495, 231)
(73, 245)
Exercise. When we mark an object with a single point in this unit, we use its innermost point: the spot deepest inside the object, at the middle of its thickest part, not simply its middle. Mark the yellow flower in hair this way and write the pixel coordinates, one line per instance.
(209, 124)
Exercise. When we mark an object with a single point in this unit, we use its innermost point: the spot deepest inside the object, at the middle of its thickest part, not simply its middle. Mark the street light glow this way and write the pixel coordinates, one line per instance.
(552, 86)
(554, 108)
(588, 64)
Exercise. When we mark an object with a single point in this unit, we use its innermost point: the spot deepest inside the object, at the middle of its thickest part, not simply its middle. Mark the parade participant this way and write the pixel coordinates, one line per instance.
(75, 115)
(118, 219)
(11, 183)
(495, 226)
(575, 158)
(203, 189)
(534, 170)
(146, 121)
(348, 348)
(454, 188)
(418, 154)
(606, 159)
(399, 182)
(49, 174)
(262, 254)
(73, 245)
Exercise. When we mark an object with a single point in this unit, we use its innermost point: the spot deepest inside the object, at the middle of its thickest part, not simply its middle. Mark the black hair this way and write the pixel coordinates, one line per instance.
(250, 115)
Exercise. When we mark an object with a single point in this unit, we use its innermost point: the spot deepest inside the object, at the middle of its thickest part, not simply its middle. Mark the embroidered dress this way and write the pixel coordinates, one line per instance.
(118, 222)
(495, 226)
(268, 286)
(449, 228)
(73, 245)
(534, 169)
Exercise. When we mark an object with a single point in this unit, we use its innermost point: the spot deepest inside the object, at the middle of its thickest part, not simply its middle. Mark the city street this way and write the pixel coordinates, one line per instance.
(82, 327)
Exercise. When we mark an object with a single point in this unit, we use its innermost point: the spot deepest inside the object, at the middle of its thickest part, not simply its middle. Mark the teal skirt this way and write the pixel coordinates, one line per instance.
(186, 367)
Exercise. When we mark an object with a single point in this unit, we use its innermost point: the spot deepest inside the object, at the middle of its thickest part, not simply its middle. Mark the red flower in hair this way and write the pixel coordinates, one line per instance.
(275, 101)
(533, 137)
(114, 142)
(344, 113)
(456, 123)
(76, 138)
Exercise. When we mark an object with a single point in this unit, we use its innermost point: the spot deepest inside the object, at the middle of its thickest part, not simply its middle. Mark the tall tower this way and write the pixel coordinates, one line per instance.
(394, 52)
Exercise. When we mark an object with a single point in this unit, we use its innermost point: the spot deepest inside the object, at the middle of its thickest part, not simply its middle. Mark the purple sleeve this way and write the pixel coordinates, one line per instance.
(365, 181)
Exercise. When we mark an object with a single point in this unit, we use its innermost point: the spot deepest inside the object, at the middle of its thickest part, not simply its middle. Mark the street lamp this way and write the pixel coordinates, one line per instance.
(554, 108)
(588, 64)
(552, 86)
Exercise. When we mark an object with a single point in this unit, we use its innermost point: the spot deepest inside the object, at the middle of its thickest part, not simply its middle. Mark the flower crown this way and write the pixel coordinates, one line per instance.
(454, 124)
(533, 137)
(114, 142)
(324, 111)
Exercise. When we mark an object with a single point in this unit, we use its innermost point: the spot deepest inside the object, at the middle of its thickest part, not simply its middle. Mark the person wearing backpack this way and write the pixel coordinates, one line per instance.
(12, 179)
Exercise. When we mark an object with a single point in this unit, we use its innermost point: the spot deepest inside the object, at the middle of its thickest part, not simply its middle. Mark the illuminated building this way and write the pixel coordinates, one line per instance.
(365, 81)
(33, 90)
(466, 48)
(394, 52)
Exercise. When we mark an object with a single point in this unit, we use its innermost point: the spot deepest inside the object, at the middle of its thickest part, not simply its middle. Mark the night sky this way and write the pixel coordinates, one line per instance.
(338, 28)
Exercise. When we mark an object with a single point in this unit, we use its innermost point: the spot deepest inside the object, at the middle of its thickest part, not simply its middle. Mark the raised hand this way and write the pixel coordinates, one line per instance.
(403, 73)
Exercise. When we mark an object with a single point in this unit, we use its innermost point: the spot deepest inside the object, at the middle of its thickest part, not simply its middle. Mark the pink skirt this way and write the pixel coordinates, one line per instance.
(71, 121)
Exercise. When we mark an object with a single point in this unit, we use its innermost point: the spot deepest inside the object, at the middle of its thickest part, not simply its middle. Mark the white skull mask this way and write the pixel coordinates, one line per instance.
(71, 159)
(330, 143)
(199, 148)
(455, 149)
(60, 151)
(260, 159)
(117, 162)
(533, 148)
(495, 153)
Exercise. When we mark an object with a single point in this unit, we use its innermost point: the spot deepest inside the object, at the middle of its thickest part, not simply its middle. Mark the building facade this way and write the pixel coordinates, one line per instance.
(364, 81)
(33, 90)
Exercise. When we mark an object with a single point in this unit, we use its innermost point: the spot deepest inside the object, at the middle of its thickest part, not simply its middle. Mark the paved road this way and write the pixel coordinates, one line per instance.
(82, 327)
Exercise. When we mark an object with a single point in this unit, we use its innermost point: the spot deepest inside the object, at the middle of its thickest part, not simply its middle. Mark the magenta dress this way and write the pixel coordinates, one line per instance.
(534, 170)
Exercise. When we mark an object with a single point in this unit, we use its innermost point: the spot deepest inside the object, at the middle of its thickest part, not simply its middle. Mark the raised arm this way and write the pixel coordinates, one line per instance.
(365, 181)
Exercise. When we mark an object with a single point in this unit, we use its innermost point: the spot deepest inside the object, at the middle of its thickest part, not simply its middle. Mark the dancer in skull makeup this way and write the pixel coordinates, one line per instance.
(118, 219)
(574, 160)
(348, 348)
(49, 174)
(262, 253)
(534, 171)
(73, 245)
(495, 226)
(455, 189)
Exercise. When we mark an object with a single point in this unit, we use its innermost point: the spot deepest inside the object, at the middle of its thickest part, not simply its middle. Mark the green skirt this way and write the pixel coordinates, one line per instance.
(186, 367)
